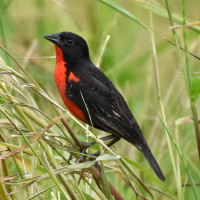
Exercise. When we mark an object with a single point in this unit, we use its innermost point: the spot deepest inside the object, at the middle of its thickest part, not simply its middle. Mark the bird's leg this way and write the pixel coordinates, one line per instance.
(116, 139)
(94, 155)
(88, 144)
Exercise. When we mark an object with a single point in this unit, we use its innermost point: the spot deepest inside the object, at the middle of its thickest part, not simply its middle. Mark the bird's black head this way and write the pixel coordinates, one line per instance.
(72, 45)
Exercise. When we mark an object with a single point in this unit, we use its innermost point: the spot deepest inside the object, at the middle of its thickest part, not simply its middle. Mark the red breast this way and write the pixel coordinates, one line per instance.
(60, 77)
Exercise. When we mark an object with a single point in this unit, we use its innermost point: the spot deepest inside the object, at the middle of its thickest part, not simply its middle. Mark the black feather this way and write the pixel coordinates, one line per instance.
(95, 95)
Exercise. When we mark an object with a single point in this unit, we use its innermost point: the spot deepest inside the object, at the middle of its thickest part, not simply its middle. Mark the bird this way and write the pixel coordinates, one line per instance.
(91, 96)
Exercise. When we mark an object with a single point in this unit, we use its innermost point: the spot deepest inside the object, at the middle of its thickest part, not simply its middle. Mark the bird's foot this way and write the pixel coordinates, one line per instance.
(91, 157)
(70, 157)
(89, 144)
(86, 145)
(87, 156)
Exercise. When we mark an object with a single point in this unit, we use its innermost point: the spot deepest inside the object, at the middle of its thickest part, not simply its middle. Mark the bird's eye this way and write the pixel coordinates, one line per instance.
(69, 42)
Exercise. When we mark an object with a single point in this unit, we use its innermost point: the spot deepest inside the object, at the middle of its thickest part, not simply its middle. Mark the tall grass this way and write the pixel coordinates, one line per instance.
(155, 68)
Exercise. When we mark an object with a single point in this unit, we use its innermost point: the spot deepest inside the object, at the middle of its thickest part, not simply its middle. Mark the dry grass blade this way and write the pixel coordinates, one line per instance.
(21, 188)
(185, 26)
(36, 136)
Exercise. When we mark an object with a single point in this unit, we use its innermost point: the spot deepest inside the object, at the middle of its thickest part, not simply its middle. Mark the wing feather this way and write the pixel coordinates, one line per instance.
(98, 97)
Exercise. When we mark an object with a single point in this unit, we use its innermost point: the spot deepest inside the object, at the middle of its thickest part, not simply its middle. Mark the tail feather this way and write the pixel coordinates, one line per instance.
(152, 162)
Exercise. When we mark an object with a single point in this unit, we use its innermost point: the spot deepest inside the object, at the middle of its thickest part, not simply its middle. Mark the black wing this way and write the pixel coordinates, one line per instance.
(103, 105)
(106, 109)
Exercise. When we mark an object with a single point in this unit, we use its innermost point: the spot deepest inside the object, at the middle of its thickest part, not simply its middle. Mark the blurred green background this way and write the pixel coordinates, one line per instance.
(127, 61)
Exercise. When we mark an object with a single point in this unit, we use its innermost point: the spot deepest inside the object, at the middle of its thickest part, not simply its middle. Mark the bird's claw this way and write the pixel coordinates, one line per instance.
(70, 157)
(88, 156)
(86, 145)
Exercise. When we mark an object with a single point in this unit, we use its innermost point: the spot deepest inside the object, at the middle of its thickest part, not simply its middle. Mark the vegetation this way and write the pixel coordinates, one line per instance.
(153, 58)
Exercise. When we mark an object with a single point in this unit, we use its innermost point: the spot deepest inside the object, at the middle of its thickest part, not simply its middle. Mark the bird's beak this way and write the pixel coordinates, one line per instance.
(55, 38)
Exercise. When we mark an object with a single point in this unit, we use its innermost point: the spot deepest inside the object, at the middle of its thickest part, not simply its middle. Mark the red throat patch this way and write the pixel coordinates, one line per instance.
(60, 79)
(59, 54)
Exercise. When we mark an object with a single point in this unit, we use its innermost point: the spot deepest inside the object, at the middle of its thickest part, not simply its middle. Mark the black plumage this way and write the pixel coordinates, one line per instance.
(94, 94)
